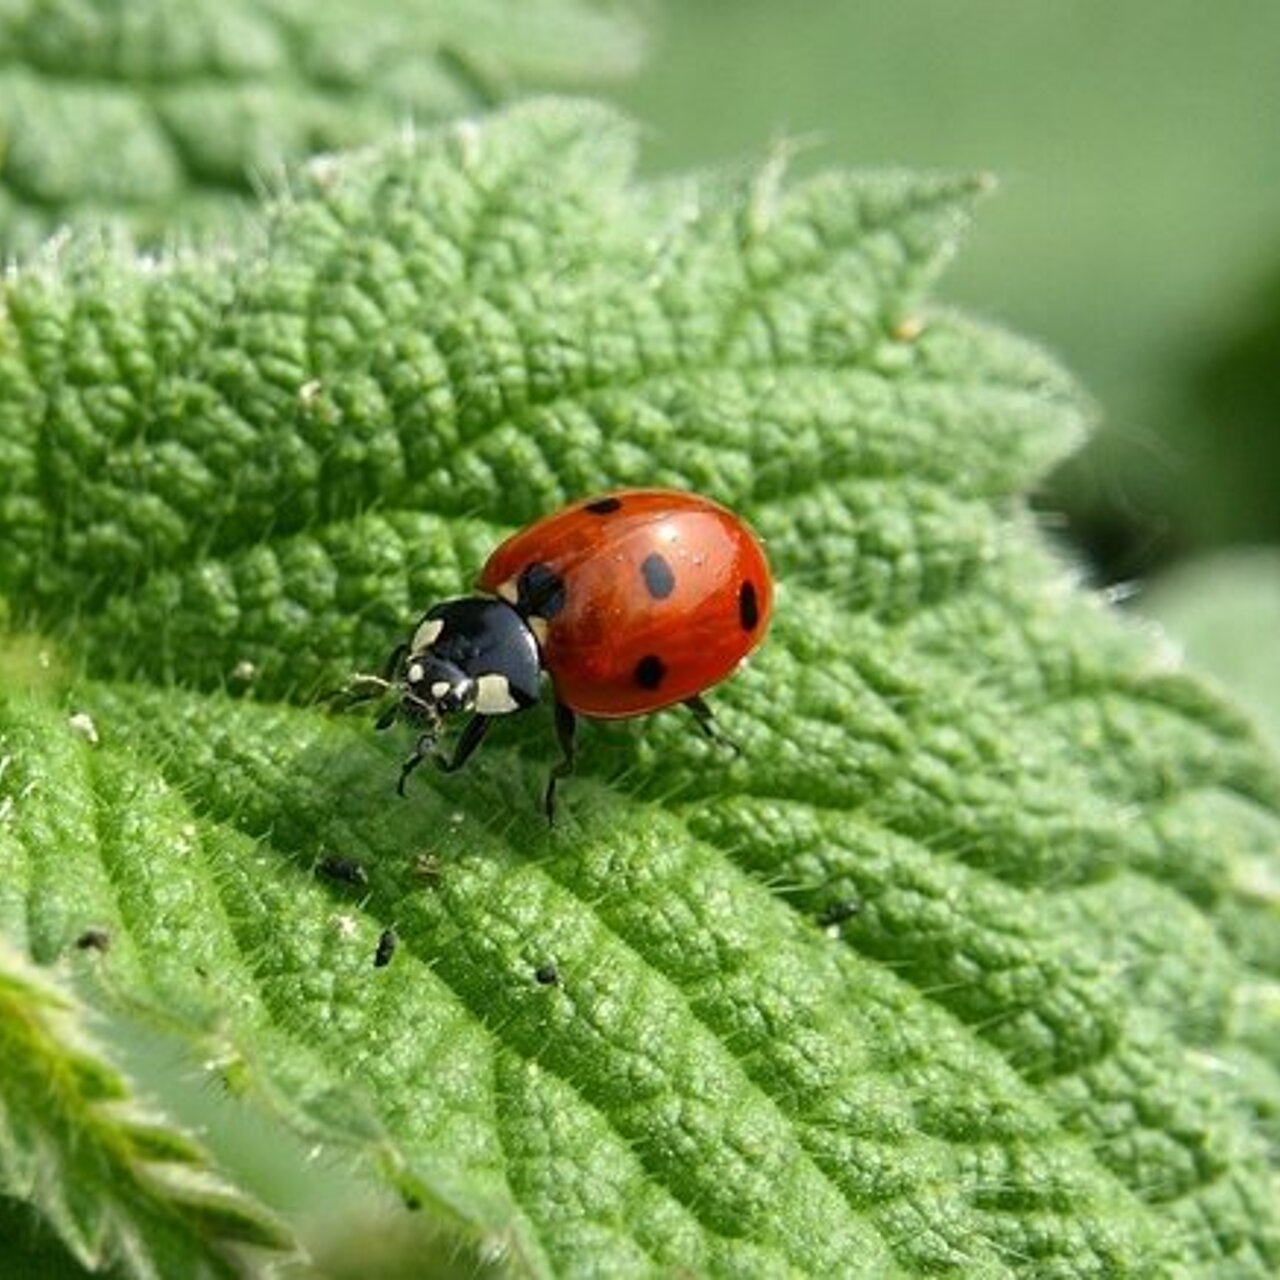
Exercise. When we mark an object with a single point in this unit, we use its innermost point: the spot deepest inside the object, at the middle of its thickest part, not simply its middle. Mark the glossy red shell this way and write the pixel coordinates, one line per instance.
(664, 594)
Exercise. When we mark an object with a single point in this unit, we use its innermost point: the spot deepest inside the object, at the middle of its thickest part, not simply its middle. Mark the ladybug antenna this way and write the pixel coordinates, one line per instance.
(359, 688)
(410, 706)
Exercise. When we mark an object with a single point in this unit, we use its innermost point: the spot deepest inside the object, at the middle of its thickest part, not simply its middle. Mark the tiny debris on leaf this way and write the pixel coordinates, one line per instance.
(387, 944)
(343, 870)
(82, 723)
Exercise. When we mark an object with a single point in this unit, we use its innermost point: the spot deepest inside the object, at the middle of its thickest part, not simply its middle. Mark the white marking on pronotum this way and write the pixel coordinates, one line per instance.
(493, 696)
(440, 688)
(509, 591)
(427, 634)
(415, 672)
(539, 628)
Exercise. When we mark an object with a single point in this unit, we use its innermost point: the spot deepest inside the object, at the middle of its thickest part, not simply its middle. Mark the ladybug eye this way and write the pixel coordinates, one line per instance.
(456, 695)
(438, 685)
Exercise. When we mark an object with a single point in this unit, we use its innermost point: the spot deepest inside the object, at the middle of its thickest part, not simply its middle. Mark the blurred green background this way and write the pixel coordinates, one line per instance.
(1136, 230)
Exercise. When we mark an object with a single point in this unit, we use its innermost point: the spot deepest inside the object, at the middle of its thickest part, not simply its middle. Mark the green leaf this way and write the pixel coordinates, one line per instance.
(968, 963)
(32, 1249)
(164, 115)
(120, 1187)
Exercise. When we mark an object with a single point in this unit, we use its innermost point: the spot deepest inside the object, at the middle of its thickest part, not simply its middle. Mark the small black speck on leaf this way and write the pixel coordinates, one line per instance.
(387, 943)
(427, 867)
(838, 912)
(342, 870)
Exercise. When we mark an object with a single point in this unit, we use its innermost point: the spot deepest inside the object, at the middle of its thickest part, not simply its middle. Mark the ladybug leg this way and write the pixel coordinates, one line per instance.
(421, 750)
(425, 748)
(566, 726)
(472, 737)
(706, 721)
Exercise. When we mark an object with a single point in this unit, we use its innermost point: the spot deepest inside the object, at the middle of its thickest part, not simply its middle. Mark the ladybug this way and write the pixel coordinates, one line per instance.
(629, 602)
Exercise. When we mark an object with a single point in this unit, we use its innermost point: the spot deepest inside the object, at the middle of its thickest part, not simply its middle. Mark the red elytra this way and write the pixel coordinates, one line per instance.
(663, 594)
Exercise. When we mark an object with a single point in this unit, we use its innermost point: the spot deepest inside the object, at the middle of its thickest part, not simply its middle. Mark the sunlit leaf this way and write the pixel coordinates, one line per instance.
(962, 964)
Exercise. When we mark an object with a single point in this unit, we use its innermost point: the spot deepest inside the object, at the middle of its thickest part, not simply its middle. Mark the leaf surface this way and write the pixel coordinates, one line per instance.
(968, 964)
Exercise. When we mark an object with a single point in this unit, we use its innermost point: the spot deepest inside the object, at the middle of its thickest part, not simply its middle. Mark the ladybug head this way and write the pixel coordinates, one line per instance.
(435, 687)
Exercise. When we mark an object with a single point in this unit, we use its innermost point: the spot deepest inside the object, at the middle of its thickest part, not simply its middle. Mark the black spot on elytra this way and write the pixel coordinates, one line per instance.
(658, 576)
(539, 592)
(650, 671)
(603, 506)
(748, 606)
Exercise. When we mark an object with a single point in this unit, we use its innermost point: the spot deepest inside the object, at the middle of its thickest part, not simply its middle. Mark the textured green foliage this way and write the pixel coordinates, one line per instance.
(165, 114)
(119, 1187)
(967, 964)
